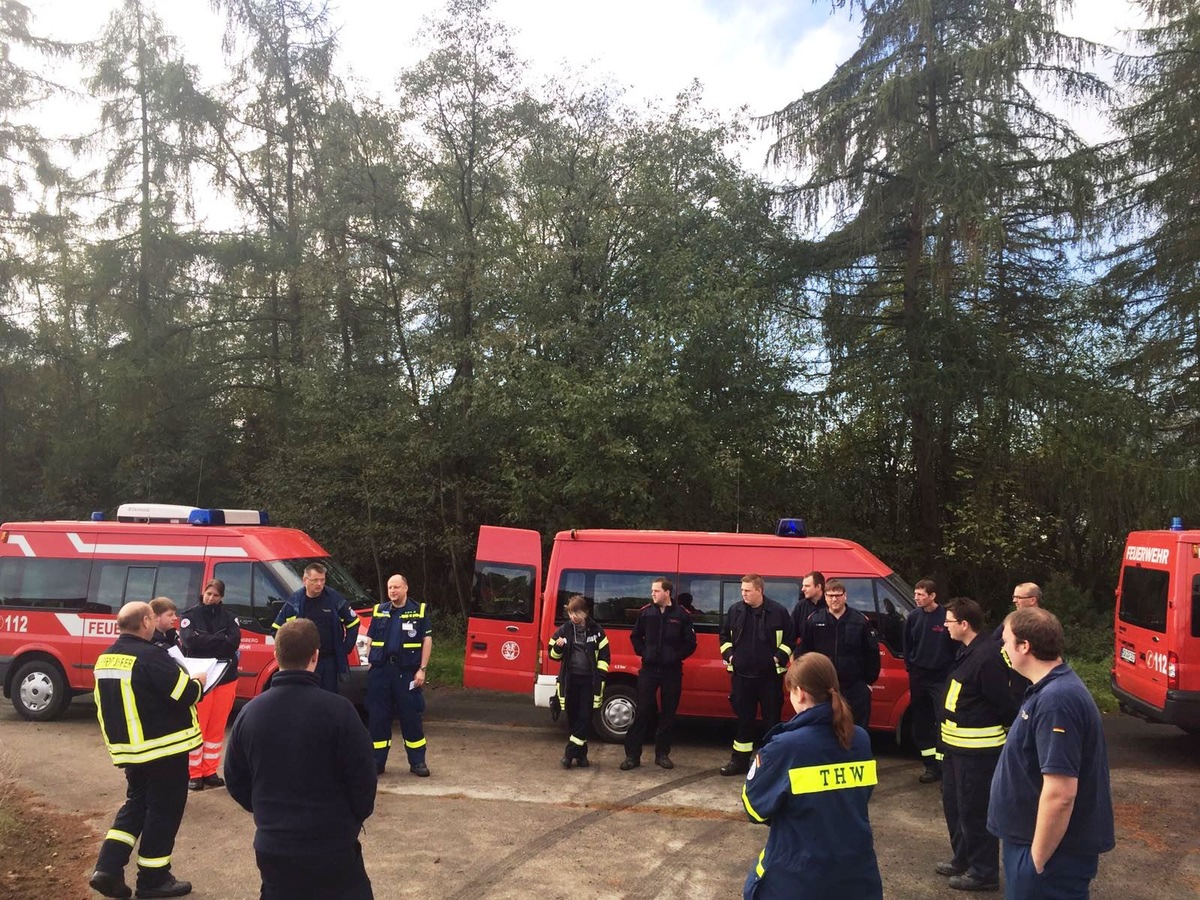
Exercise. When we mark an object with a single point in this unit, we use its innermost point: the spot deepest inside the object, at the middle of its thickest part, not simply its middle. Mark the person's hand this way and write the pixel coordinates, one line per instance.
(201, 677)
(561, 642)
(419, 678)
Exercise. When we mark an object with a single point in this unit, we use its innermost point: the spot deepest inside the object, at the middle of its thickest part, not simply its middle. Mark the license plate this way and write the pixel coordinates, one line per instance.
(1128, 656)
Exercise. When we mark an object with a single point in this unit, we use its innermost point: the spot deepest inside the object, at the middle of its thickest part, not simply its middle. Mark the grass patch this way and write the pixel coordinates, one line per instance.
(449, 645)
(1096, 674)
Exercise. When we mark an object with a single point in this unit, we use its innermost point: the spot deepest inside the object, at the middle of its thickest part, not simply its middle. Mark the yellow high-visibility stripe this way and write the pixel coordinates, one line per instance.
(602, 644)
(381, 745)
(180, 685)
(743, 747)
(413, 745)
(416, 646)
(750, 810)
(726, 646)
(579, 742)
(123, 836)
(602, 665)
(952, 695)
(758, 866)
(973, 738)
(786, 649)
(833, 777)
(376, 643)
(156, 862)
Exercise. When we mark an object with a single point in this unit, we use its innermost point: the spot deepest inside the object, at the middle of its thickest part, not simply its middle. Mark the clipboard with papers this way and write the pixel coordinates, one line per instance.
(213, 669)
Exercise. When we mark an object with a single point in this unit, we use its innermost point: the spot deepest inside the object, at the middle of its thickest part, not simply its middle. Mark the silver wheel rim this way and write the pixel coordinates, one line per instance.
(37, 692)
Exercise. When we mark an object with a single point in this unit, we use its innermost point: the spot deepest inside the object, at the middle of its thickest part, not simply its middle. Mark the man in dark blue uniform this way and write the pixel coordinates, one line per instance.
(401, 641)
(335, 620)
(1051, 801)
(663, 637)
(299, 759)
(928, 655)
(847, 638)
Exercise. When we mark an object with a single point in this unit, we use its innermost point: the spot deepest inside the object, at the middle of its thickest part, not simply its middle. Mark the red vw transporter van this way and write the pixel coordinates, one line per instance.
(1156, 652)
(512, 615)
(62, 583)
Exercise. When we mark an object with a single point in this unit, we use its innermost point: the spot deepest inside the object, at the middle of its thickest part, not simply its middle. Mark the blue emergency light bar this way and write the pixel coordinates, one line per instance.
(1177, 523)
(228, 517)
(172, 514)
(791, 528)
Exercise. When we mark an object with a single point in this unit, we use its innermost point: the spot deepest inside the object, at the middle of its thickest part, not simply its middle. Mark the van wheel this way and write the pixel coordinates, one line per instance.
(39, 691)
(614, 718)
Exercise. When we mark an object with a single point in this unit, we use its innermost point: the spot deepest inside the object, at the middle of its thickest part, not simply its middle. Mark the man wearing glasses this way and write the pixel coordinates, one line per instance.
(1025, 596)
(846, 637)
(1051, 801)
(975, 715)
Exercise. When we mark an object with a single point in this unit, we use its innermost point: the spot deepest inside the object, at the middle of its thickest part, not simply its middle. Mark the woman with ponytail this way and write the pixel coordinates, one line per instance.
(810, 782)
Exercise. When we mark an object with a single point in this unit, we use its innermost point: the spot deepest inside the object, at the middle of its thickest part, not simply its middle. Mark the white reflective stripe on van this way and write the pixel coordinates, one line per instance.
(152, 549)
(21, 542)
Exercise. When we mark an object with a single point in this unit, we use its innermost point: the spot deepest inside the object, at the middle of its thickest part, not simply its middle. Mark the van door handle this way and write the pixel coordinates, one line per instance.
(514, 629)
(478, 645)
(1155, 639)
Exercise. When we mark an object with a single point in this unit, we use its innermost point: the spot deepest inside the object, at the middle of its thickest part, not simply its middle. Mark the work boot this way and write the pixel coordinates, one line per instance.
(110, 885)
(664, 761)
(736, 766)
(948, 868)
(931, 774)
(420, 770)
(565, 762)
(195, 784)
(173, 887)
(214, 781)
(582, 762)
(630, 763)
(971, 883)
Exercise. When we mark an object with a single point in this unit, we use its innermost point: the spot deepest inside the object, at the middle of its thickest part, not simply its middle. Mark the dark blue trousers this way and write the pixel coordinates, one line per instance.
(389, 696)
(155, 795)
(1066, 877)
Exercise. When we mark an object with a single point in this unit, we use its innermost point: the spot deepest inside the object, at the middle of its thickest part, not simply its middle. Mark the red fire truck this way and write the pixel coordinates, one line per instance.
(512, 616)
(61, 584)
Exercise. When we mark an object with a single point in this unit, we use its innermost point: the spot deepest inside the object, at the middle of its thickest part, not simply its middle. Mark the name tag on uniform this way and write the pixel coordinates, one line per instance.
(814, 779)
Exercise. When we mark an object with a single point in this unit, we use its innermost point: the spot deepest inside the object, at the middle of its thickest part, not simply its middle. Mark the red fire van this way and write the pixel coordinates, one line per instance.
(1156, 654)
(61, 584)
(512, 616)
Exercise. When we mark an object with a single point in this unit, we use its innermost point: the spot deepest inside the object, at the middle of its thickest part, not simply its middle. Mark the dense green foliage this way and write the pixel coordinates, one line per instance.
(965, 337)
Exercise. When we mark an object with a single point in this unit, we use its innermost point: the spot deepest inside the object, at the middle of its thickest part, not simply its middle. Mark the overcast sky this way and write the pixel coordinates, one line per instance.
(754, 53)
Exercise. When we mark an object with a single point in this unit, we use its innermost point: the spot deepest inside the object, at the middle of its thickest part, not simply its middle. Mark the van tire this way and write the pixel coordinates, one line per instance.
(614, 718)
(39, 690)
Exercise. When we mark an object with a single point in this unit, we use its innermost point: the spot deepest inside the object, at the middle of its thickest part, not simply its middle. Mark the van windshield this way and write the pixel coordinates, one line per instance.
(291, 571)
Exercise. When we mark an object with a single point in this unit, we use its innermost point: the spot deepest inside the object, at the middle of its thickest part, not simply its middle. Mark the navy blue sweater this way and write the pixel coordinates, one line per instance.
(300, 759)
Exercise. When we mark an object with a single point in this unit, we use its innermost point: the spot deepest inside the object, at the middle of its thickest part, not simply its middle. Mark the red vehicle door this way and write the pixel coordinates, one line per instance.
(506, 599)
(1140, 663)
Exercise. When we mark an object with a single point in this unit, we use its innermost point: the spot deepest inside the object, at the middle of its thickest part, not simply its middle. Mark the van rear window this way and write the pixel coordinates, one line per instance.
(502, 592)
(1143, 600)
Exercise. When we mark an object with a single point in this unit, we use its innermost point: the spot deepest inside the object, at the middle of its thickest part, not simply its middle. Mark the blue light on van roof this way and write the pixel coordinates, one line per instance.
(203, 517)
(98, 515)
(1177, 523)
(791, 528)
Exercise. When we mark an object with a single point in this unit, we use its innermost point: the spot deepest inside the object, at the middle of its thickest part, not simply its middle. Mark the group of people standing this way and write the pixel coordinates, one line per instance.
(165, 729)
(1000, 720)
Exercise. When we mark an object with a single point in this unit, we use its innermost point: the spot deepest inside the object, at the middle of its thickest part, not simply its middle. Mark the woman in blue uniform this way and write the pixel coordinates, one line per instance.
(810, 782)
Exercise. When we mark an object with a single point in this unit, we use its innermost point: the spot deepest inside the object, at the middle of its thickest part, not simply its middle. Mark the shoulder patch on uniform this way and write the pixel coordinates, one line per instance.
(184, 623)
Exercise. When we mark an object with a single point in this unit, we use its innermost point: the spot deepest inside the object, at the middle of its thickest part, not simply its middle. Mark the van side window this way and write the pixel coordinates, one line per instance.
(1144, 598)
(44, 583)
(115, 582)
(250, 593)
(615, 598)
(700, 595)
(502, 592)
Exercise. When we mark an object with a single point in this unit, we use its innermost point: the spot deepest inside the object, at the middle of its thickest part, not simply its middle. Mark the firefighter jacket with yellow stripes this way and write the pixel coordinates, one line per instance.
(397, 632)
(145, 702)
(756, 641)
(596, 645)
(813, 793)
(979, 705)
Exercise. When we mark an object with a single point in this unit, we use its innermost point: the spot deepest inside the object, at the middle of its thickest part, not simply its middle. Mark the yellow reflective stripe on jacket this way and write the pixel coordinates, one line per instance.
(835, 777)
(758, 866)
(750, 811)
(602, 644)
(602, 665)
(180, 685)
(726, 646)
(952, 693)
(416, 646)
(990, 736)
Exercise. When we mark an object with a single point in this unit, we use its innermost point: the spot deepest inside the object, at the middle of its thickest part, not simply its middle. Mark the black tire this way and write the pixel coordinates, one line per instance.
(39, 690)
(614, 718)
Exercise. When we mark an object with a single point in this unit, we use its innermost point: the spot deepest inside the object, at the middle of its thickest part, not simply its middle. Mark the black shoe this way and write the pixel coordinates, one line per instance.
(565, 762)
(110, 885)
(582, 762)
(971, 883)
(195, 784)
(930, 775)
(664, 761)
(420, 770)
(948, 868)
(214, 781)
(735, 767)
(630, 763)
(172, 888)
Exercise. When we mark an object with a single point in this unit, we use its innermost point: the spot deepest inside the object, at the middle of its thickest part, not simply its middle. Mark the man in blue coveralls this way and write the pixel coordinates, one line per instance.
(1051, 803)
(401, 642)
